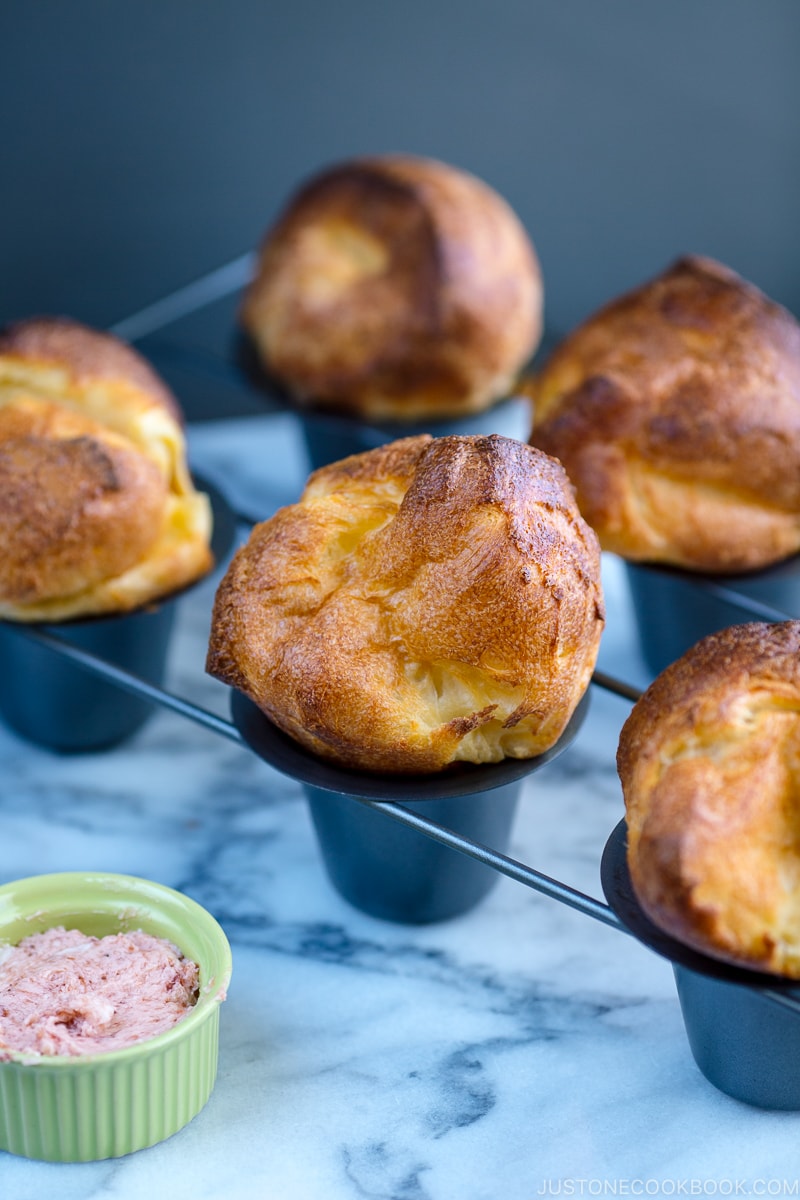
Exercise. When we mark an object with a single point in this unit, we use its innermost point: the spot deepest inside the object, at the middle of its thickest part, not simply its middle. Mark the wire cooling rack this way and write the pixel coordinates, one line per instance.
(221, 285)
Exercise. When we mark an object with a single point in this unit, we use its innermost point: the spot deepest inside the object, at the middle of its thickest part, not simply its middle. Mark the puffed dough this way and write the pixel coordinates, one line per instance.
(709, 760)
(396, 287)
(676, 413)
(429, 601)
(98, 512)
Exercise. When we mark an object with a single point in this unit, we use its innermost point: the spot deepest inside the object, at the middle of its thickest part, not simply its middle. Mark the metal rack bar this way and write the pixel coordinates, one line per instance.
(514, 869)
(484, 854)
(213, 286)
(500, 862)
(132, 683)
(521, 872)
(609, 684)
(729, 594)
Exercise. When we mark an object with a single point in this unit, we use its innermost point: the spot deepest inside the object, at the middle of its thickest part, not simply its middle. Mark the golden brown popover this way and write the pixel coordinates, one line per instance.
(98, 513)
(676, 413)
(709, 760)
(396, 287)
(429, 601)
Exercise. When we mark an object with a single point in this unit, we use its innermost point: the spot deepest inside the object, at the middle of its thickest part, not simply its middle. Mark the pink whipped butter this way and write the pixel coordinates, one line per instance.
(64, 992)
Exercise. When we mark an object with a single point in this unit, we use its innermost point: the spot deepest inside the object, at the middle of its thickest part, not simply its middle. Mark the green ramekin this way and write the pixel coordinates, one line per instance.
(80, 1109)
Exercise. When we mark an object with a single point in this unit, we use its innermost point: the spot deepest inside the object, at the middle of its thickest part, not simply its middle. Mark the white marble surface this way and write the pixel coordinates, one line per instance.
(521, 1050)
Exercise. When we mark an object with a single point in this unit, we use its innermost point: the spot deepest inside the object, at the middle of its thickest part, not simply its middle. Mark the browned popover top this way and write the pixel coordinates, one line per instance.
(676, 412)
(88, 355)
(396, 287)
(97, 510)
(428, 601)
(709, 761)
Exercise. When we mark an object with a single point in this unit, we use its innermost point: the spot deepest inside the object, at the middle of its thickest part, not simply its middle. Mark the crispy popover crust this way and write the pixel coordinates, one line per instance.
(676, 412)
(429, 601)
(396, 287)
(709, 761)
(97, 510)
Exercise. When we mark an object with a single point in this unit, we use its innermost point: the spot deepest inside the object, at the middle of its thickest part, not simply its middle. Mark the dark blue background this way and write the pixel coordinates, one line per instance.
(147, 143)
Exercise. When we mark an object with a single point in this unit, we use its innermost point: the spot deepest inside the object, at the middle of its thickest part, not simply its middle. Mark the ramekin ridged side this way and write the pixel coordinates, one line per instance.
(85, 1108)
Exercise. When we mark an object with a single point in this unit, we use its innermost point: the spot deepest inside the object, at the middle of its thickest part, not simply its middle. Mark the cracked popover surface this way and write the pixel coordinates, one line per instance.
(396, 287)
(675, 410)
(709, 760)
(429, 601)
(98, 513)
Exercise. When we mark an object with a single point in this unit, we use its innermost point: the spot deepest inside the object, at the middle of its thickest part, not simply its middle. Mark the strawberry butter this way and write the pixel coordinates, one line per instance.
(63, 992)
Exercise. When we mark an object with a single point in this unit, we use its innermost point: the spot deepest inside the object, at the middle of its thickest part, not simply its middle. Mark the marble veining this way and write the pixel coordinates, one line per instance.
(521, 1050)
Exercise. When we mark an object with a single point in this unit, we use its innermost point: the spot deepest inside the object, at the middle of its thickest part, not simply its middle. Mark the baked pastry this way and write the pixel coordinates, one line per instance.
(98, 513)
(709, 760)
(676, 413)
(396, 287)
(429, 601)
